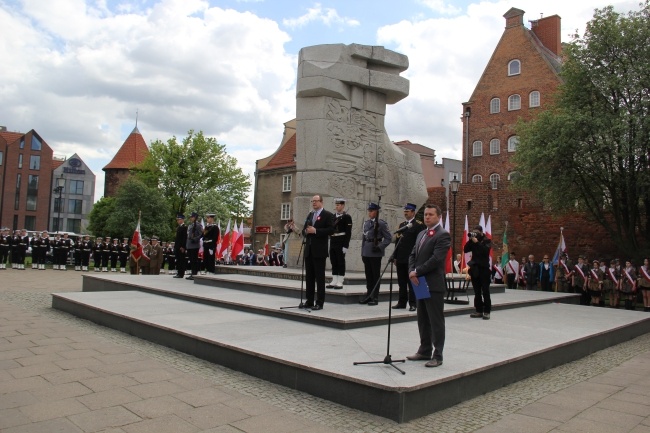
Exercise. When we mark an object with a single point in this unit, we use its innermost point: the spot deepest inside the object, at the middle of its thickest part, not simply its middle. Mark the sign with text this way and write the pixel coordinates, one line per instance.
(263, 229)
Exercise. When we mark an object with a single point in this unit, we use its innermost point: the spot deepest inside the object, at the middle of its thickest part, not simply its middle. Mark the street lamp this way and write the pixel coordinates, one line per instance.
(60, 185)
(453, 187)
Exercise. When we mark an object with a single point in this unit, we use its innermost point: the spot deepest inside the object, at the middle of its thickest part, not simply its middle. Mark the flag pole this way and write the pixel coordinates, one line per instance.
(559, 257)
(137, 261)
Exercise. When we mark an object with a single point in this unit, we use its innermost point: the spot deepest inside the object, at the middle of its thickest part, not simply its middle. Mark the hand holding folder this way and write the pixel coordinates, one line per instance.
(421, 290)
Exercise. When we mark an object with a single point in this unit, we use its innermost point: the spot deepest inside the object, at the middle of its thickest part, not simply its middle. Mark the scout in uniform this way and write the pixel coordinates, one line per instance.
(595, 283)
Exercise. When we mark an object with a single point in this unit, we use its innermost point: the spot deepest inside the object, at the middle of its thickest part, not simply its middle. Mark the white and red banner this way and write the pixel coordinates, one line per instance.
(238, 244)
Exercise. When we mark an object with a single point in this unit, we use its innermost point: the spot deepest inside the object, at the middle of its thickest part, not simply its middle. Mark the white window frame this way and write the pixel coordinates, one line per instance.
(477, 178)
(285, 211)
(534, 99)
(513, 142)
(512, 64)
(514, 102)
(494, 180)
(495, 106)
(454, 175)
(495, 146)
(286, 182)
(477, 148)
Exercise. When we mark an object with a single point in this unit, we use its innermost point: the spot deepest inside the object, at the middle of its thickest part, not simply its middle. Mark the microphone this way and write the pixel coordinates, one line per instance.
(403, 229)
(309, 218)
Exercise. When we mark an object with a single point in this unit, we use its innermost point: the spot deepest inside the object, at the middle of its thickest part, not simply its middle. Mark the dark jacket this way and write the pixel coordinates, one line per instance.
(428, 259)
(181, 238)
(480, 253)
(316, 245)
(407, 240)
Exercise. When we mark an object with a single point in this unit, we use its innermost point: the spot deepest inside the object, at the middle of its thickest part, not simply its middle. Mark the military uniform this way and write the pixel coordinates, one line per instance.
(78, 252)
(5, 246)
(339, 244)
(24, 246)
(155, 256)
(43, 247)
(35, 251)
(376, 237)
(210, 237)
(193, 243)
(124, 254)
(98, 247)
(179, 246)
(86, 251)
(145, 261)
(114, 249)
(404, 243)
(66, 246)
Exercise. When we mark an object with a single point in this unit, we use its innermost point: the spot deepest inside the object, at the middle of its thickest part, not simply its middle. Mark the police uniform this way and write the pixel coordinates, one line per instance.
(339, 244)
(404, 243)
(376, 237)
(210, 237)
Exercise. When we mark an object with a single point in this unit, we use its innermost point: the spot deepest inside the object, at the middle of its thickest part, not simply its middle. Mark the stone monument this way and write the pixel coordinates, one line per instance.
(342, 149)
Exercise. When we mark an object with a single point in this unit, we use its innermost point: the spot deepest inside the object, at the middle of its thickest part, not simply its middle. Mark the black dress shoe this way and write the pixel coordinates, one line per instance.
(308, 305)
(329, 286)
(317, 307)
(364, 300)
(399, 306)
(412, 308)
(177, 276)
(372, 303)
(189, 278)
(418, 357)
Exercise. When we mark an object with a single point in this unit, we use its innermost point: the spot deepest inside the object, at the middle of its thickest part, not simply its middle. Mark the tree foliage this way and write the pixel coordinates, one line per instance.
(590, 149)
(198, 165)
(99, 215)
(135, 196)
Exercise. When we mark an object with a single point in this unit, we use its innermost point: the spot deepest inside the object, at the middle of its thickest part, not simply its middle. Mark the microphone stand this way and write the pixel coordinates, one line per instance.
(388, 360)
(302, 277)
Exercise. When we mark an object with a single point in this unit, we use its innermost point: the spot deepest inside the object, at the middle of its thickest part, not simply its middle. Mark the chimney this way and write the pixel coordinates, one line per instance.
(514, 18)
(548, 31)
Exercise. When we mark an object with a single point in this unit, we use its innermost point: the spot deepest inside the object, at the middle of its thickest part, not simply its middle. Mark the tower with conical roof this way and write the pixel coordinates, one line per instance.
(133, 152)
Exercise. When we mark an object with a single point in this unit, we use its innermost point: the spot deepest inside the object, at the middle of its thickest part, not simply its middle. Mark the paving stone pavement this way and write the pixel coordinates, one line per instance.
(63, 374)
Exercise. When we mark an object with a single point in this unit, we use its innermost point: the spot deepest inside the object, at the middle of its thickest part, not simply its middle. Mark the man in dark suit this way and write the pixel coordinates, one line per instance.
(179, 246)
(319, 225)
(427, 260)
(404, 243)
(210, 237)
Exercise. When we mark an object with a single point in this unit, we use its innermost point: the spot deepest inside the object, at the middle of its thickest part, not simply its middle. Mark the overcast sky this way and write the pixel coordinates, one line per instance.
(76, 71)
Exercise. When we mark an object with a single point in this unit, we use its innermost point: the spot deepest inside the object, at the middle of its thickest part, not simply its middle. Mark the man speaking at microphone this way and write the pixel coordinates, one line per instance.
(404, 243)
(319, 225)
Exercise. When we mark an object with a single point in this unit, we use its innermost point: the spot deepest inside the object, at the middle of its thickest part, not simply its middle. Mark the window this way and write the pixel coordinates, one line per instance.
(286, 183)
(285, 211)
(17, 198)
(56, 226)
(22, 143)
(514, 102)
(495, 146)
(32, 192)
(30, 222)
(20, 160)
(75, 206)
(514, 67)
(495, 105)
(477, 178)
(59, 205)
(36, 143)
(494, 180)
(74, 225)
(477, 148)
(1, 155)
(76, 187)
(454, 175)
(513, 142)
(34, 162)
(533, 99)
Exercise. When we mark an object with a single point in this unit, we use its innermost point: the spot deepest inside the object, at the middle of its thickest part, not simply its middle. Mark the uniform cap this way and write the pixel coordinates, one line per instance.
(410, 206)
(154, 238)
(339, 201)
(194, 215)
(373, 206)
(180, 216)
(211, 215)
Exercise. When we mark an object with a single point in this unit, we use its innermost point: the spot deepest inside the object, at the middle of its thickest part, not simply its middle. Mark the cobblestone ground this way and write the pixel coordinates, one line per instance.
(465, 417)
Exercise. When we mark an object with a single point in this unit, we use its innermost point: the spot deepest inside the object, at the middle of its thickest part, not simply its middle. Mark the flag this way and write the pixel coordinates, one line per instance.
(505, 255)
(136, 243)
(561, 248)
(488, 234)
(481, 221)
(449, 266)
(218, 247)
(266, 246)
(225, 241)
(238, 245)
(466, 257)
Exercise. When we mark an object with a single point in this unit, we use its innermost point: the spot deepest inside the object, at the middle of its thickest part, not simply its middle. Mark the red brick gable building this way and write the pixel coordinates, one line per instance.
(133, 151)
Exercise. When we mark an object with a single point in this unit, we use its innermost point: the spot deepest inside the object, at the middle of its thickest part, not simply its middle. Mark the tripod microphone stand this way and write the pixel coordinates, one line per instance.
(302, 278)
(387, 359)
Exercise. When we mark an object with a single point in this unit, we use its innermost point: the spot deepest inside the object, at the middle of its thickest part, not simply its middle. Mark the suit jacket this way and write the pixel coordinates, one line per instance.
(316, 244)
(407, 240)
(428, 259)
(181, 238)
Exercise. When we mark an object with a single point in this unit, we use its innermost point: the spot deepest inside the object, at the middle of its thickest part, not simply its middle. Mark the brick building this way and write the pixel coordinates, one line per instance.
(518, 81)
(133, 151)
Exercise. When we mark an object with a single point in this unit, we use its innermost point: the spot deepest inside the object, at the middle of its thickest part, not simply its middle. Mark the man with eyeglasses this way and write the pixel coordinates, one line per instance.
(319, 225)
(545, 274)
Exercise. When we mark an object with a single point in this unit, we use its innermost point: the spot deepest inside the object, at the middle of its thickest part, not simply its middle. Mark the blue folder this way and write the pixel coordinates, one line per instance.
(422, 289)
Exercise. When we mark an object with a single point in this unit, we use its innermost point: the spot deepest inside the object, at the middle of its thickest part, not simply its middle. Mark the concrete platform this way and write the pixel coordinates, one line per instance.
(480, 356)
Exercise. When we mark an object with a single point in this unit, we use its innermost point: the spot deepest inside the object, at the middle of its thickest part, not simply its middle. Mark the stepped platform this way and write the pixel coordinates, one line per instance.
(529, 332)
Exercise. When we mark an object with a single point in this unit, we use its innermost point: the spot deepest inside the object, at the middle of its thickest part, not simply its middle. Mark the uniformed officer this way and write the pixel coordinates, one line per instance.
(155, 256)
(339, 243)
(86, 251)
(124, 254)
(78, 252)
(5, 246)
(106, 253)
(405, 241)
(375, 238)
(145, 261)
(33, 243)
(56, 251)
(66, 246)
(15, 250)
(194, 233)
(114, 249)
(22, 250)
(210, 237)
(179, 246)
(98, 247)
(43, 247)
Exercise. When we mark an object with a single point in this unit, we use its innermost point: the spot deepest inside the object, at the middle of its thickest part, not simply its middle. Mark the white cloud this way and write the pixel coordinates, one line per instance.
(327, 16)
(441, 7)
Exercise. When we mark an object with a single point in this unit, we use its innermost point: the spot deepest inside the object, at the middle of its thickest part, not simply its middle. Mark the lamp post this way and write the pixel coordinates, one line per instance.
(60, 185)
(453, 187)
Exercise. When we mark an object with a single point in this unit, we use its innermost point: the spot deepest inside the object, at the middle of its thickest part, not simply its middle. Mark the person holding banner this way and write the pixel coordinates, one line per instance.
(627, 285)
(643, 283)
(428, 261)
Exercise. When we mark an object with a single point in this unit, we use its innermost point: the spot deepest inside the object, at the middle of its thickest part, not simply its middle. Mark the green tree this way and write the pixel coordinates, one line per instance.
(198, 165)
(135, 196)
(589, 151)
(99, 215)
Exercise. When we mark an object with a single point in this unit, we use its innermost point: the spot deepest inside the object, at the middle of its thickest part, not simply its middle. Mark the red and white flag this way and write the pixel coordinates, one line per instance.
(266, 246)
(449, 265)
(238, 244)
(136, 243)
(225, 242)
(488, 234)
(466, 256)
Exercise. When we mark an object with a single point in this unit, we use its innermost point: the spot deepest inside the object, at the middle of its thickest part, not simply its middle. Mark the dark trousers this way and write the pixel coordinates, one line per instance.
(105, 257)
(123, 259)
(181, 263)
(405, 289)
(337, 258)
(372, 267)
(85, 258)
(114, 258)
(510, 280)
(97, 260)
(77, 258)
(546, 284)
(431, 324)
(481, 285)
(193, 255)
(315, 279)
(208, 260)
(4, 255)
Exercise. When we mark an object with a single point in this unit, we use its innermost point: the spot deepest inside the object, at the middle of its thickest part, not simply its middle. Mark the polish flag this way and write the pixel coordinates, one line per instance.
(449, 261)
(238, 244)
(136, 243)
(481, 222)
(225, 242)
(466, 257)
(488, 234)
(266, 246)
